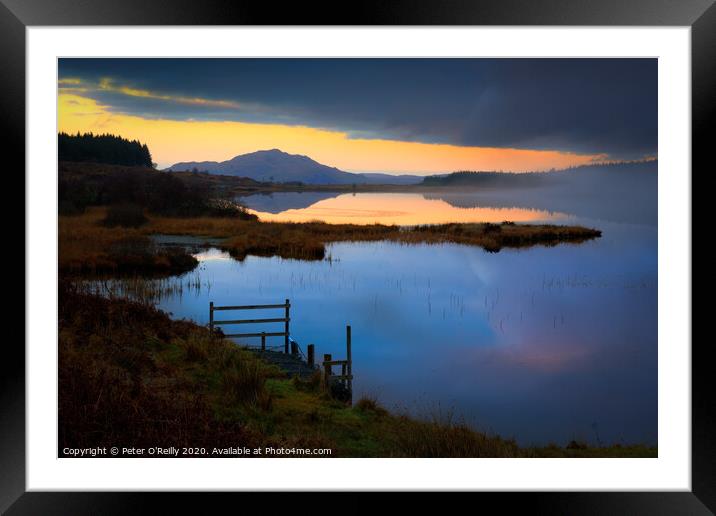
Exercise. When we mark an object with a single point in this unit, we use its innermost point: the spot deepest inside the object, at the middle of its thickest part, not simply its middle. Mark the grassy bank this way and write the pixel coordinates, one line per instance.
(131, 376)
(87, 245)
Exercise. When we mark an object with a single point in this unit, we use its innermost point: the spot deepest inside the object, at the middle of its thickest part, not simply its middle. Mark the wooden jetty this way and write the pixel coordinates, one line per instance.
(293, 365)
(292, 360)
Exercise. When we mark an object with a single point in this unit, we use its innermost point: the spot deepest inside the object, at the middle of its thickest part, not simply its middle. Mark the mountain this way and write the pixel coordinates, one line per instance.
(274, 166)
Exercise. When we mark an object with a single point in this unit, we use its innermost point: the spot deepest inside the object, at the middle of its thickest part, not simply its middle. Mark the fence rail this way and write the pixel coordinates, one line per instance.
(247, 321)
(250, 307)
(262, 334)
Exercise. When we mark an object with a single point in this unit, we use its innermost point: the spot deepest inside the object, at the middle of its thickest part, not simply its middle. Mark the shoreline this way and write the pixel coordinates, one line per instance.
(210, 392)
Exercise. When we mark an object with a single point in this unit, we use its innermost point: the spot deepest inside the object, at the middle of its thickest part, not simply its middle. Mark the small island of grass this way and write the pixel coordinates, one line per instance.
(88, 244)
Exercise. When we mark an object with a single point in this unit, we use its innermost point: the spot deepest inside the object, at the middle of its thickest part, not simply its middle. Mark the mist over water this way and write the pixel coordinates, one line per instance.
(623, 193)
(541, 344)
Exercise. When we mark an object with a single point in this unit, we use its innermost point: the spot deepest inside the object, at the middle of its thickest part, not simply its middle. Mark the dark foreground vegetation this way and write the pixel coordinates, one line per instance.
(83, 185)
(129, 374)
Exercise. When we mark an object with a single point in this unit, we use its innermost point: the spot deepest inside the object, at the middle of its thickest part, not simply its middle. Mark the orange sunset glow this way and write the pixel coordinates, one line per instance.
(173, 141)
(400, 209)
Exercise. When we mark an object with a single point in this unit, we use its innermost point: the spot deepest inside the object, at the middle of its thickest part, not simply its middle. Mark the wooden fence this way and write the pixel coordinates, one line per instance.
(344, 379)
(286, 320)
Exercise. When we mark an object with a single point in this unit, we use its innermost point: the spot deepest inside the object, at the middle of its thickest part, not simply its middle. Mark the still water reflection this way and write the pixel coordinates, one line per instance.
(542, 344)
(385, 208)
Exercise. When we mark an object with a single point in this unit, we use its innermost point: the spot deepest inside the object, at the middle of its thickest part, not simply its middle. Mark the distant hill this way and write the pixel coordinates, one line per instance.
(619, 192)
(274, 166)
(481, 179)
(590, 176)
(375, 178)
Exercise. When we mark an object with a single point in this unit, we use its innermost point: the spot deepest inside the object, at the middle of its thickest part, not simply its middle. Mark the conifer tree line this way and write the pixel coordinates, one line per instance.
(103, 148)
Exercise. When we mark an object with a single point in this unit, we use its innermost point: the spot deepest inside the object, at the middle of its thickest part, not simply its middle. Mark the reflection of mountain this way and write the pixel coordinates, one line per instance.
(282, 201)
(616, 193)
(619, 193)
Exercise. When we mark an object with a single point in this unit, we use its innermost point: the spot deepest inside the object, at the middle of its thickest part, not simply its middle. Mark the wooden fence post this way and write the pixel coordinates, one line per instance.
(294, 348)
(211, 317)
(310, 350)
(327, 369)
(349, 359)
(285, 345)
(263, 341)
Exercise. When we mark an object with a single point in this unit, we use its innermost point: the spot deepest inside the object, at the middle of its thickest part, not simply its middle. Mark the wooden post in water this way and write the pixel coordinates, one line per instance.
(285, 346)
(327, 369)
(263, 341)
(211, 317)
(310, 350)
(349, 359)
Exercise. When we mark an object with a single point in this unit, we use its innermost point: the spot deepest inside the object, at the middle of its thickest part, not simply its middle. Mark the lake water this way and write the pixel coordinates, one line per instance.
(403, 209)
(540, 344)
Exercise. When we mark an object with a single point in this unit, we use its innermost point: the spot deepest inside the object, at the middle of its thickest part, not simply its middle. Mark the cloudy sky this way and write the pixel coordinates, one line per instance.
(382, 115)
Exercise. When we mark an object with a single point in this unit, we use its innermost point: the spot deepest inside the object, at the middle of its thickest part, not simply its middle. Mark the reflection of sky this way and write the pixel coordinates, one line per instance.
(389, 208)
(544, 344)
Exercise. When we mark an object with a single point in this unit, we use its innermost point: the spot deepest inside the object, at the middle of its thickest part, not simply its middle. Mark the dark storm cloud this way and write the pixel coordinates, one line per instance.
(581, 105)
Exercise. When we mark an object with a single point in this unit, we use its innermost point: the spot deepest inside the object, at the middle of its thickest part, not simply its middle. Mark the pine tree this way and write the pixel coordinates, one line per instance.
(103, 148)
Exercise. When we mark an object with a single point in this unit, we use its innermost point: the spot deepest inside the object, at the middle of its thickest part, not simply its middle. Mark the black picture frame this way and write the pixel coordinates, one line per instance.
(16, 15)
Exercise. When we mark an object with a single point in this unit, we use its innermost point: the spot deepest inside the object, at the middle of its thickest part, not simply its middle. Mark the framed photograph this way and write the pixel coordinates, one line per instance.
(434, 249)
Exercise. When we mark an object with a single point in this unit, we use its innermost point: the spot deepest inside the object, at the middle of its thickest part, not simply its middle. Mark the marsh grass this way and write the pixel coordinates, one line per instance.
(311, 384)
(142, 289)
(369, 404)
(129, 374)
(125, 215)
(86, 245)
(245, 383)
(447, 439)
